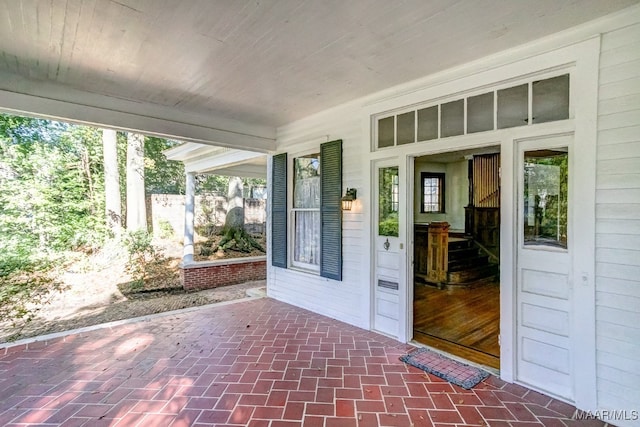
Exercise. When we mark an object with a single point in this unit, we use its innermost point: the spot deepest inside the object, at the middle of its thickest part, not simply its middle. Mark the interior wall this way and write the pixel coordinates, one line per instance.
(456, 192)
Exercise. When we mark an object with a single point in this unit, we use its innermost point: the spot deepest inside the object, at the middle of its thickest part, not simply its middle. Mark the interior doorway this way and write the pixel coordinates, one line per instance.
(456, 305)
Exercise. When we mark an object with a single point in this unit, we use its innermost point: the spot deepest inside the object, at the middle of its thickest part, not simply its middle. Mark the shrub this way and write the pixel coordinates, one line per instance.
(142, 254)
(165, 229)
(388, 227)
(26, 284)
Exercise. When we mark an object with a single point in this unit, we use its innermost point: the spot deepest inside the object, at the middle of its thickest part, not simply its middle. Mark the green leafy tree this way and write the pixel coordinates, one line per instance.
(162, 176)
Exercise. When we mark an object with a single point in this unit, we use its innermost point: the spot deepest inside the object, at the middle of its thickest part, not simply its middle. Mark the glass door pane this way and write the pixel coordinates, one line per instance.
(546, 174)
(388, 197)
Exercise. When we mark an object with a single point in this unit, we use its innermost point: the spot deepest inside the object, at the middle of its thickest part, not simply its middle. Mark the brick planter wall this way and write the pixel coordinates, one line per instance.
(212, 274)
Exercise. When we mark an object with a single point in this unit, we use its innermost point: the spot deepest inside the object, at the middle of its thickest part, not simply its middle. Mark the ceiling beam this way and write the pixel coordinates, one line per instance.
(42, 99)
(243, 171)
(224, 160)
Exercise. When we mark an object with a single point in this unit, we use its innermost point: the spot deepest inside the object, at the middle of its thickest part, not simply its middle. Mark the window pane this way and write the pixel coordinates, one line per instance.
(551, 99)
(428, 123)
(480, 113)
(388, 201)
(406, 128)
(513, 106)
(452, 119)
(306, 185)
(307, 237)
(385, 132)
(431, 194)
(545, 197)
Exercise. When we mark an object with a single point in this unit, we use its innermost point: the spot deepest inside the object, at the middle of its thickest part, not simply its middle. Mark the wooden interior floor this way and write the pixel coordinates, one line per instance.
(463, 322)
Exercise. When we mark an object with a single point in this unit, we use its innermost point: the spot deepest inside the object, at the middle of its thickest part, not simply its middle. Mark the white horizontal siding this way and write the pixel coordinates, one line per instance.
(623, 103)
(618, 136)
(346, 300)
(618, 241)
(618, 222)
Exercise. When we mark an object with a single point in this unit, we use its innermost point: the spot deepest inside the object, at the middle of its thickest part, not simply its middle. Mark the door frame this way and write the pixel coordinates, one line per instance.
(476, 144)
(580, 57)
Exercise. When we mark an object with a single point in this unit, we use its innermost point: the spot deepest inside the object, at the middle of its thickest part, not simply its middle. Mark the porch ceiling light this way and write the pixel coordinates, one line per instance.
(347, 200)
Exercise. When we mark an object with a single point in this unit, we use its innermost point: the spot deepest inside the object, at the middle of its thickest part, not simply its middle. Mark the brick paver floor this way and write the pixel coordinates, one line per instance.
(257, 363)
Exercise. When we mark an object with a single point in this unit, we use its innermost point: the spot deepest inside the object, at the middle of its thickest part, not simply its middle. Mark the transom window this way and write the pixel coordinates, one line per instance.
(538, 101)
(432, 192)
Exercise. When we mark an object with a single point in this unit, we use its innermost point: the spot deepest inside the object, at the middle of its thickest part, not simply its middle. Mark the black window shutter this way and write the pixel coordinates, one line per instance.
(331, 210)
(279, 211)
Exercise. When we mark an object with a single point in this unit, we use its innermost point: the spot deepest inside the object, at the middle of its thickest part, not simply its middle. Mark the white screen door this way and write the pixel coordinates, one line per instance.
(544, 267)
(387, 254)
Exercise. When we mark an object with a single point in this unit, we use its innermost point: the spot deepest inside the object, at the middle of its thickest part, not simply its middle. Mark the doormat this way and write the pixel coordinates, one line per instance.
(441, 366)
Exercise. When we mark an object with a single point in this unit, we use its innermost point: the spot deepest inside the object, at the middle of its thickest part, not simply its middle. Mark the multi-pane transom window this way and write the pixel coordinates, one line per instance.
(306, 212)
(432, 192)
(529, 103)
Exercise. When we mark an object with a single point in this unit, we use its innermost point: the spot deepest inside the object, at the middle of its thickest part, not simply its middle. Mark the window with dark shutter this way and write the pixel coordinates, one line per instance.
(330, 210)
(279, 211)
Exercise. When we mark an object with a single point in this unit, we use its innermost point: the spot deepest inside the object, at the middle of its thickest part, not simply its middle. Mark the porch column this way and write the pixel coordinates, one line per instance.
(189, 214)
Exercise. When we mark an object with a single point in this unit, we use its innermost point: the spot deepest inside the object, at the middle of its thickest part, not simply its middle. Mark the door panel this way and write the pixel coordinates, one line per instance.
(544, 293)
(387, 259)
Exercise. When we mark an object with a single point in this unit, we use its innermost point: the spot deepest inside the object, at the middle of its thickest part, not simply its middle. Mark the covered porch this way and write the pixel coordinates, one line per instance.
(260, 362)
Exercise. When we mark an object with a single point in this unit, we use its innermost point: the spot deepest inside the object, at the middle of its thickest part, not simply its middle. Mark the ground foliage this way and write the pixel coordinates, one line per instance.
(143, 256)
(52, 202)
(52, 205)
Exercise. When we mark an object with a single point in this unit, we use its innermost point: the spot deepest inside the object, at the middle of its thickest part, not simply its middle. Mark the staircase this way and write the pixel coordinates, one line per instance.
(468, 264)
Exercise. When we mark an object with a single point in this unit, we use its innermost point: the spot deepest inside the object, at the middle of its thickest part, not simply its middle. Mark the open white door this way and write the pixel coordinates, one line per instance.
(387, 252)
(544, 266)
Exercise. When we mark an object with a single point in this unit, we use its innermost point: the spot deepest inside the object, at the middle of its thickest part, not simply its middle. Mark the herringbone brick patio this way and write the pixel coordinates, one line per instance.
(254, 363)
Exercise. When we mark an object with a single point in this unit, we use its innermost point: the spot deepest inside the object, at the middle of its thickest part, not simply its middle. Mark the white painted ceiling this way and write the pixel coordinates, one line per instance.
(263, 62)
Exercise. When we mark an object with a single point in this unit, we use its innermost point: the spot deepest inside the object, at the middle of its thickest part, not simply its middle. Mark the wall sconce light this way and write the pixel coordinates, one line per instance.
(349, 197)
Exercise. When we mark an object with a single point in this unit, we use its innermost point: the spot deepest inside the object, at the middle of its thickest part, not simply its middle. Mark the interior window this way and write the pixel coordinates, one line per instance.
(432, 192)
(306, 211)
(546, 174)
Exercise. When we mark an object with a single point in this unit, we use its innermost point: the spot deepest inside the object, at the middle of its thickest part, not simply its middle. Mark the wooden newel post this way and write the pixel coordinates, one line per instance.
(438, 252)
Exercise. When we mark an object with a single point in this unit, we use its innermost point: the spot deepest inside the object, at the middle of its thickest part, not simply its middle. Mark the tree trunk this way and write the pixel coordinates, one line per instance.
(136, 206)
(113, 206)
(235, 204)
(234, 237)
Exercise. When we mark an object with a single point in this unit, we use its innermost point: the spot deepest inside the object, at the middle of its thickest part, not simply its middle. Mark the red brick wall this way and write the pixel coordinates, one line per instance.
(213, 276)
